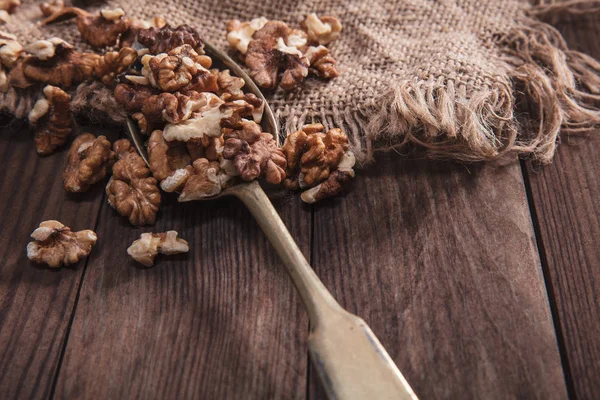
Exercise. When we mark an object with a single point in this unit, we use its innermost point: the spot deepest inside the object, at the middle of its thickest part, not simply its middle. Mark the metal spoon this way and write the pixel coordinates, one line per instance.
(351, 362)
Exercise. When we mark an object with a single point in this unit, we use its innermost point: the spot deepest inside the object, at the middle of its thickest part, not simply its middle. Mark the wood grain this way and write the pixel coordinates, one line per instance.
(220, 322)
(441, 262)
(36, 303)
(566, 199)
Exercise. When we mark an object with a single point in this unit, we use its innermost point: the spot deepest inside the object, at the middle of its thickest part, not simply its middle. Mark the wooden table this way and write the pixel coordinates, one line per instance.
(481, 281)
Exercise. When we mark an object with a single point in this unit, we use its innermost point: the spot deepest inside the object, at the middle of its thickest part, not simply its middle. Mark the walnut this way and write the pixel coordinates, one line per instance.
(147, 247)
(182, 69)
(332, 186)
(311, 155)
(254, 153)
(206, 179)
(55, 244)
(10, 51)
(237, 107)
(268, 54)
(132, 97)
(88, 162)
(166, 157)
(229, 84)
(51, 118)
(100, 30)
(145, 126)
(53, 62)
(240, 33)
(113, 63)
(174, 108)
(122, 147)
(51, 7)
(132, 191)
(322, 30)
(321, 62)
(205, 121)
(9, 5)
(205, 147)
(165, 39)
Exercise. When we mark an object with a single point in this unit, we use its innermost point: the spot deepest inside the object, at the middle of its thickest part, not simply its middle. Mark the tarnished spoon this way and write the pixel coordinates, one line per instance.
(351, 362)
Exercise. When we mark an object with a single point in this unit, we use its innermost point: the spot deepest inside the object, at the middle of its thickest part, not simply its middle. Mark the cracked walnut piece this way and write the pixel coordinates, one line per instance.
(55, 244)
(132, 191)
(181, 69)
(88, 162)
(240, 33)
(205, 179)
(146, 248)
(100, 30)
(268, 53)
(53, 62)
(50, 7)
(9, 5)
(132, 97)
(10, 51)
(334, 183)
(113, 63)
(206, 120)
(165, 39)
(166, 157)
(322, 30)
(51, 118)
(254, 153)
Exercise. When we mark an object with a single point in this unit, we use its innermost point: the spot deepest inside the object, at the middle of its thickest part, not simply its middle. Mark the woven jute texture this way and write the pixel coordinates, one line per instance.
(444, 75)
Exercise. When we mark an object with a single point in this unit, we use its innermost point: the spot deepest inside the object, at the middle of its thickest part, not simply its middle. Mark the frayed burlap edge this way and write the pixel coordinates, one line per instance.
(561, 85)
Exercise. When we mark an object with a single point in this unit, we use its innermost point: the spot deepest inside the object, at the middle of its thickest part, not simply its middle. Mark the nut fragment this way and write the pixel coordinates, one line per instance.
(88, 162)
(165, 39)
(240, 33)
(205, 121)
(166, 158)
(100, 30)
(55, 244)
(315, 158)
(132, 97)
(122, 147)
(51, 118)
(254, 153)
(53, 62)
(146, 248)
(132, 191)
(113, 63)
(321, 62)
(182, 69)
(322, 30)
(4, 17)
(10, 51)
(206, 179)
(229, 84)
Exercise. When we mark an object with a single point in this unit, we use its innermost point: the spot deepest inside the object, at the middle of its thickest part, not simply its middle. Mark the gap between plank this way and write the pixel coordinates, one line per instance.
(550, 292)
(311, 257)
(72, 318)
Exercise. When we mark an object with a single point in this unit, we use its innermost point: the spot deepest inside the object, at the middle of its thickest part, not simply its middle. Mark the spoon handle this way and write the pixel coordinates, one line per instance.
(350, 360)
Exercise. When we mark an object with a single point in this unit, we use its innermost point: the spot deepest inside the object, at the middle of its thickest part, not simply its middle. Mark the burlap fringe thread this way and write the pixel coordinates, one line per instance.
(561, 86)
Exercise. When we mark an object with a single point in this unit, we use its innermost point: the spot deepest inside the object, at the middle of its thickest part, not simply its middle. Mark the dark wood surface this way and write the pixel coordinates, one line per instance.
(482, 282)
(566, 202)
(36, 303)
(442, 264)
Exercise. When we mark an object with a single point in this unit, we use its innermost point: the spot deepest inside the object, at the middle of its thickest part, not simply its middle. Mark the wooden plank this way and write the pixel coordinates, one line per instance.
(441, 261)
(220, 322)
(35, 303)
(566, 198)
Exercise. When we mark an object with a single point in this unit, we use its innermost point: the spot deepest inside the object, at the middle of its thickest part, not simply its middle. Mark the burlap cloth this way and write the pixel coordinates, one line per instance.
(446, 75)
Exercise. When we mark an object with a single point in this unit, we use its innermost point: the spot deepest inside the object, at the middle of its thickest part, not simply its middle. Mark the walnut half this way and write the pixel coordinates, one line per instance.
(132, 191)
(147, 247)
(88, 162)
(51, 118)
(55, 244)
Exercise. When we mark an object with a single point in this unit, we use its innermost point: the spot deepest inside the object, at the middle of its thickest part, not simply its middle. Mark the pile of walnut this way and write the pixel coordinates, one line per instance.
(271, 48)
(203, 130)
